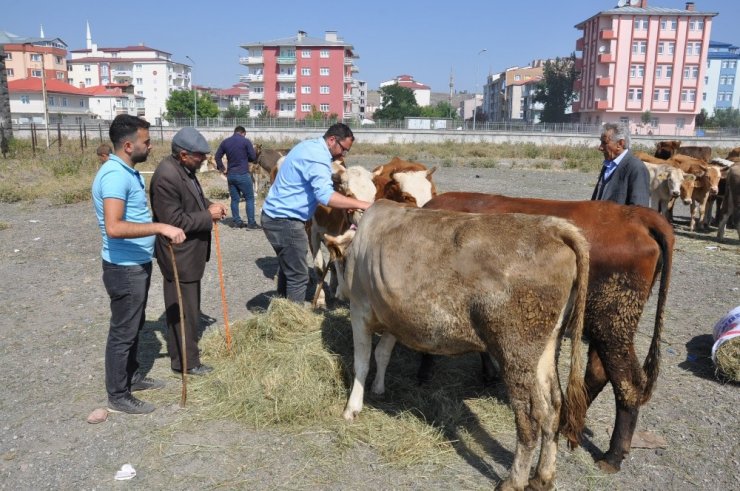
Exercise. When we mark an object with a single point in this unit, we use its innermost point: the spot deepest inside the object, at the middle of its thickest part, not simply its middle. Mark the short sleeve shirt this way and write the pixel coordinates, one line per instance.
(117, 180)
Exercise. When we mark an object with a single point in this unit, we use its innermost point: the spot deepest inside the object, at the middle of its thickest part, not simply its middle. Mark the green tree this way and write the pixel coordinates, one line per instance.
(646, 117)
(702, 117)
(726, 118)
(442, 109)
(233, 111)
(397, 103)
(555, 90)
(265, 114)
(181, 104)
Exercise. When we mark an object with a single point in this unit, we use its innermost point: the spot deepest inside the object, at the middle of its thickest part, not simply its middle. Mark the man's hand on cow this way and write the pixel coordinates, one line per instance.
(175, 234)
(217, 211)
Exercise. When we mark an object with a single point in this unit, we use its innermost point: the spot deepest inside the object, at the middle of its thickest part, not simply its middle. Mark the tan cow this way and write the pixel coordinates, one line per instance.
(665, 185)
(705, 185)
(449, 283)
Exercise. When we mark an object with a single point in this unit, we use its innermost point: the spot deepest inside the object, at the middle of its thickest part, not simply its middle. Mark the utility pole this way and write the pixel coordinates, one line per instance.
(475, 85)
(195, 93)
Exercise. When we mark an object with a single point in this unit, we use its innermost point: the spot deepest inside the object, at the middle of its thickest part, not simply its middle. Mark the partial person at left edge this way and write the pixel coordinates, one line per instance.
(119, 200)
(177, 198)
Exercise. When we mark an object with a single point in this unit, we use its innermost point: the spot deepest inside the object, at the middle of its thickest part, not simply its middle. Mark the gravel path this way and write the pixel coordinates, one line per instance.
(54, 314)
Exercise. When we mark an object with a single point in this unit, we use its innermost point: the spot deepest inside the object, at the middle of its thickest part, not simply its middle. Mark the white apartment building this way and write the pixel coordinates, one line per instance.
(152, 72)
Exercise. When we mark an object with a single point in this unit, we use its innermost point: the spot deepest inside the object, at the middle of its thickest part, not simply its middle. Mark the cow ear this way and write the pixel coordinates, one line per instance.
(689, 177)
(431, 171)
(378, 171)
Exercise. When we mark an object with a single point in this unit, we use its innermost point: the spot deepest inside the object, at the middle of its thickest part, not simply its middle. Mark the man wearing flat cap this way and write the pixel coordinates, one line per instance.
(177, 199)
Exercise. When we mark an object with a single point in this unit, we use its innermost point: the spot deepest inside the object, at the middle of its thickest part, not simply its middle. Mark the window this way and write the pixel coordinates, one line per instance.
(65, 102)
(639, 47)
(25, 100)
(668, 71)
(257, 89)
(305, 72)
(87, 68)
(517, 77)
(139, 81)
(59, 60)
(706, 80)
(641, 24)
(60, 75)
(306, 108)
(138, 67)
(324, 53)
(88, 81)
(671, 46)
(635, 94)
(82, 102)
(693, 48)
(9, 72)
(8, 56)
(324, 89)
(656, 95)
(680, 122)
(637, 71)
(704, 96)
(730, 80)
(324, 108)
(305, 89)
(691, 72)
(724, 64)
(668, 25)
(52, 100)
(732, 64)
(723, 80)
(36, 73)
(35, 57)
(696, 25)
(659, 71)
(324, 72)
(306, 53)
(667, 95)
(688, 95)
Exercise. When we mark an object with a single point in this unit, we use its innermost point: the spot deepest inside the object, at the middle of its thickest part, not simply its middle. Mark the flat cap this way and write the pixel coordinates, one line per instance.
(191, 140)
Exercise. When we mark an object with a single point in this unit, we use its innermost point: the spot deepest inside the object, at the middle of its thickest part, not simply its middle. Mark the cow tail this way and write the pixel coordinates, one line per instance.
(573, 413)
(663, 235)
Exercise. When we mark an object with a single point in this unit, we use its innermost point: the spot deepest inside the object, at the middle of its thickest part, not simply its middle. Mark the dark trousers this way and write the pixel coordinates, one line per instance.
(241, 185)
(191, 310)
(127, 287)
(289, 241)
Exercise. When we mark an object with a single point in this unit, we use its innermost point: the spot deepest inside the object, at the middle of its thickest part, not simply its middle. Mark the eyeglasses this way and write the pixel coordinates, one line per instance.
(345, 151)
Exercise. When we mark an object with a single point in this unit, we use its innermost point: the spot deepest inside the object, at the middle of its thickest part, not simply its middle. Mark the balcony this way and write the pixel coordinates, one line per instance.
(251, 60)
(604, 81)
(286, 77)
(347, 60)
(256, 96)
(252, 77)
(347, 80)
(606, 58)
(602, 105)
(579, 44)
(285, 60)
(607, 35)
(347, 97)
(285, 96)
(286, 114)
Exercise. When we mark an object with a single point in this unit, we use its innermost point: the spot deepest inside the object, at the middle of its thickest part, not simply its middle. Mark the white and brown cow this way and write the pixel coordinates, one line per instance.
(631, 247)
(731, 202)
(504, 284)
(665, 185)
(404, 181)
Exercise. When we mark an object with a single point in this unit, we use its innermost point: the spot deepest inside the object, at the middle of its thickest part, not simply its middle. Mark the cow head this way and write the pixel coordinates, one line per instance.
(415, 187)
(713, 177)
(671, 178)
(687, 188)
(338, 248)
(257, 150)
(666, 149)
(355, 182)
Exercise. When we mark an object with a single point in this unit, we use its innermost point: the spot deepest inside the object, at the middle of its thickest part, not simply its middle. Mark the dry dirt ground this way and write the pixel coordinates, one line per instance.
(53, 325)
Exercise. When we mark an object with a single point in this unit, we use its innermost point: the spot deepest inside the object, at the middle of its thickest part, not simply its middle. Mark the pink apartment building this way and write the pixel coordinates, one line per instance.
(637, 58)
(289, 76)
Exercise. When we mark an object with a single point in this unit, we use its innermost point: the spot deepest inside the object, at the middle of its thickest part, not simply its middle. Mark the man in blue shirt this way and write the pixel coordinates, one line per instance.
(624, 178)
(239, 151)
(303, 181)
(128, 234)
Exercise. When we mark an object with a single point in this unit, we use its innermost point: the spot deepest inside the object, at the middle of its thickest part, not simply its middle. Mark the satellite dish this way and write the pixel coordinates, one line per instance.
(621, 3)
(602, 49)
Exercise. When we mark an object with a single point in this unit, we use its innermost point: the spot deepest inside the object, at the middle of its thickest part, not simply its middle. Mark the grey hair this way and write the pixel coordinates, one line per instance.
(176, 149)
(619, 131)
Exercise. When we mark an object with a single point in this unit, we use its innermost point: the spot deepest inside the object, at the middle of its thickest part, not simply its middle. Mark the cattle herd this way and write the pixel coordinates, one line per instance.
(509, 277)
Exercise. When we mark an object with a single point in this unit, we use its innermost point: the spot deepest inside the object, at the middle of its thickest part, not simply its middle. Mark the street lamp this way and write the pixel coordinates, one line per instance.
(475, 85)
(195, 93)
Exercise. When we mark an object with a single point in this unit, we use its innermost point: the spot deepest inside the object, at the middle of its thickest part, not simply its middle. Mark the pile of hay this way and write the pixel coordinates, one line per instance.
(291, 368)
(726, 349)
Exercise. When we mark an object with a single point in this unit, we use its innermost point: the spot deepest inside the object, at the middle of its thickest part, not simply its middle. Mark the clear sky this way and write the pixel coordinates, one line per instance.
(425, 39)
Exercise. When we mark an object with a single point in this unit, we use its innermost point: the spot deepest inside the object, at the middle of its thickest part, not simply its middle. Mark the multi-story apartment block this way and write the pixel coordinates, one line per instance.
(152, 72)
(637, 58)
(722, 79)
(509, 95)
(290, 76)
(33, 57)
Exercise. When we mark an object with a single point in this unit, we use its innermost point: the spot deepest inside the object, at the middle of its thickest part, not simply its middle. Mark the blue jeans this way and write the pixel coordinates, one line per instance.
(241, 185)
(128, 288)
(289, 240)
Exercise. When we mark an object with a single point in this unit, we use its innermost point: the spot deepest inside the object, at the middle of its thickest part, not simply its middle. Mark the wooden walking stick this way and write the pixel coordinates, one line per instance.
(183, 352)
(223, 288)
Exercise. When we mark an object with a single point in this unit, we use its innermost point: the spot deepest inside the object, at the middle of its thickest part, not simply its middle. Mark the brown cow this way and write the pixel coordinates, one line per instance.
(504, 284)
(731, 202)
(668, 149)
(706, 185)
(630, 247)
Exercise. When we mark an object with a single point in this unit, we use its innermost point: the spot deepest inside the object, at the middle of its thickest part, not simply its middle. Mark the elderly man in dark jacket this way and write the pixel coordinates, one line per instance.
(624, 178)
(177, 199)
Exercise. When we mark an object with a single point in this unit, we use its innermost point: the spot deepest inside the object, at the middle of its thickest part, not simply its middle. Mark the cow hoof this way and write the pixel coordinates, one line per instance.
(536, 484)
(350, 415)
(608, 467)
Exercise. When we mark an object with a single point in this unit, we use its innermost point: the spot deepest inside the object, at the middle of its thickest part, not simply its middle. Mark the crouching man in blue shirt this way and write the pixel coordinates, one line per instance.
(303, 181)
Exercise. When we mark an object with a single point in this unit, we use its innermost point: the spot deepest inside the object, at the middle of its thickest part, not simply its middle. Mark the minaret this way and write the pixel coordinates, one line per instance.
(89, 36)
(41, 34)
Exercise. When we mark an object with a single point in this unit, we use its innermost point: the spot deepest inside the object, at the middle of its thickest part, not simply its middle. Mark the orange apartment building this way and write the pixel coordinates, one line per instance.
(289, 76)
(637, 58)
